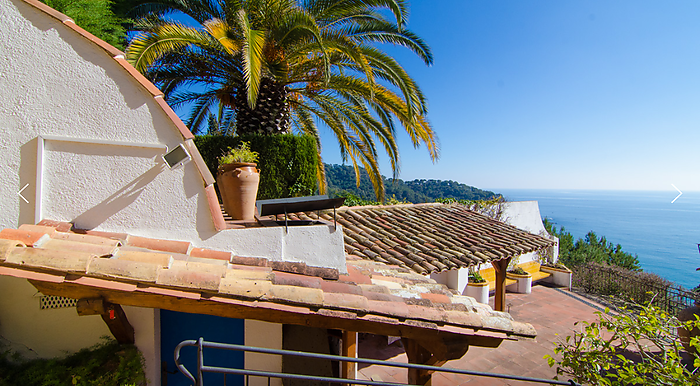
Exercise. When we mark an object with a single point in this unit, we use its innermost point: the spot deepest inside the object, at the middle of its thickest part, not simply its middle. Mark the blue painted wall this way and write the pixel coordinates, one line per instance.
(178, 326)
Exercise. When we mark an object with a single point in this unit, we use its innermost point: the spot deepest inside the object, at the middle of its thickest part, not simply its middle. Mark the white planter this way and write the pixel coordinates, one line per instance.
(523, 283)
(479, 291)
(560, 277)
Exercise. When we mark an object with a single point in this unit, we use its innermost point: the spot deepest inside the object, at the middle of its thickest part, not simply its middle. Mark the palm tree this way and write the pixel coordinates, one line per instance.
(290, 64)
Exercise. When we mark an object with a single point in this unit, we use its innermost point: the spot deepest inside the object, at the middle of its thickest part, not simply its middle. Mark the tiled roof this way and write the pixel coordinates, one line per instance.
(187, 135)
(429, 237)
(128, 270)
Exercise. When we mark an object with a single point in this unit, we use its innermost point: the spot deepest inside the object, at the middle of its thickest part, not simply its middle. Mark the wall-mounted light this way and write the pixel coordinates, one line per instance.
(177, 157)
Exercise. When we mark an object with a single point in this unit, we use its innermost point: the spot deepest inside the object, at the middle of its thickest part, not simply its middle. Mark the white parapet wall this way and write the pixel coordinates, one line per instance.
(526, 215)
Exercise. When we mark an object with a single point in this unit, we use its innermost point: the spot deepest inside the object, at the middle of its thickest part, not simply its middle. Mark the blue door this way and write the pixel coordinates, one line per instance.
(178, 326)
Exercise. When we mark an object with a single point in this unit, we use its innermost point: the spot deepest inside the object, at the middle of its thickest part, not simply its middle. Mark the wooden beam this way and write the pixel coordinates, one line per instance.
(112, 314)
(265, 311)
(432, 353)
(115, 318)
(500, 266)
(349, 369)
(94, 306)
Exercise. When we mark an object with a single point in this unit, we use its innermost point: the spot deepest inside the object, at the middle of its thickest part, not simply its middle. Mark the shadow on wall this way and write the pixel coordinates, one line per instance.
(96, 215)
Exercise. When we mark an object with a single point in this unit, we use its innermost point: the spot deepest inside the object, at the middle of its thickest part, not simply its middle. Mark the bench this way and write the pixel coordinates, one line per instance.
(531, 267)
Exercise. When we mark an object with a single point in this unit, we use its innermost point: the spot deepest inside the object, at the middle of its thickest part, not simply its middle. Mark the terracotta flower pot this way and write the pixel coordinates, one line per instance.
(238, 184)
(479, 291)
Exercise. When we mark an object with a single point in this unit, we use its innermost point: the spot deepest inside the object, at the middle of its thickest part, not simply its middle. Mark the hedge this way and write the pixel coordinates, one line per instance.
(287, 162)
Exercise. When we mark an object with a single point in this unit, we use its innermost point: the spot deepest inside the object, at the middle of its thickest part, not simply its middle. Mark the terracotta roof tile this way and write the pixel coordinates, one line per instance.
(99, 42)
(338, 300)
(159, 244)
(186, 133)
(211, 254)
(38, 229)
(123, 269)
(60, 226)
(255, 261)
(95, 249)
(26, 237)
(283, 278)
(186, 278)
(49, 259)
(160, 259)
(372, 292)
(298, 295)
(334, 286)
(84, 238)
(431, 237)
(8, 246)
(239, 287)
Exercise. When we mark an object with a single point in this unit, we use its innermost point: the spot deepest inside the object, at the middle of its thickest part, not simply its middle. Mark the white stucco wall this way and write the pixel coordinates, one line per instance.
(526, 215)
(57, 89)
(146, 323)
(454, 278)
(267, 335)
(54, 83)
(37, 333)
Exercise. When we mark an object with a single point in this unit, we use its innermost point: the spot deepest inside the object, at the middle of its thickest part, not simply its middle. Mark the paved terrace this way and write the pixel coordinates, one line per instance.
(552, 312)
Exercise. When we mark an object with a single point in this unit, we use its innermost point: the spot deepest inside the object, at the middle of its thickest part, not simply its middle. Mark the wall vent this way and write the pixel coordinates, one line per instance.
(53, 302)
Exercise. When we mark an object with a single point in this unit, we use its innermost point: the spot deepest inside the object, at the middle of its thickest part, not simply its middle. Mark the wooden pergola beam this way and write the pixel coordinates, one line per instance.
(268, 312)
(500, 266)
(112, 314)
(431, 353)
(349, 369)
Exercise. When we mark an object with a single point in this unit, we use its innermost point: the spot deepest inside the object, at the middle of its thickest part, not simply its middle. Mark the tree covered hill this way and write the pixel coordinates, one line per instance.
(341, 180)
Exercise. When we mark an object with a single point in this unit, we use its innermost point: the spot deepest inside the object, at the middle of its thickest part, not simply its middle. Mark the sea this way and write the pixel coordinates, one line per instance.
(664, 235)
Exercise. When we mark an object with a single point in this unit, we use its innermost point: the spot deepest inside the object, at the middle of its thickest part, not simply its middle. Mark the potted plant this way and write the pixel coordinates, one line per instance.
(523, 279)
(560, 274)
(477, 287)
(238, 179)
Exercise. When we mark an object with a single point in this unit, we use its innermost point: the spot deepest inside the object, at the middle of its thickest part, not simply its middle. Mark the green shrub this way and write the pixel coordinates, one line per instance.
(109, 364)
(287, 162)
(628, 348)
(241, 154)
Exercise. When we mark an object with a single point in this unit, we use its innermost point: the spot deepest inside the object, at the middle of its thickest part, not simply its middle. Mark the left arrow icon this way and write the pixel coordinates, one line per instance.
(20, 193)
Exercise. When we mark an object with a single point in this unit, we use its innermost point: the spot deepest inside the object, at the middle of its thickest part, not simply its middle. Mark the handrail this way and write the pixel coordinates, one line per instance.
(201, 368)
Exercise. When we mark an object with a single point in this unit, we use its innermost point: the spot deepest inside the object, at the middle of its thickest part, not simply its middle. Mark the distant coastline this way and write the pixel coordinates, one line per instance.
(663, 235)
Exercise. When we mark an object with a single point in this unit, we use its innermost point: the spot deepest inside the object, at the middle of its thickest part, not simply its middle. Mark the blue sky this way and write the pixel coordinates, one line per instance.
(557, 94)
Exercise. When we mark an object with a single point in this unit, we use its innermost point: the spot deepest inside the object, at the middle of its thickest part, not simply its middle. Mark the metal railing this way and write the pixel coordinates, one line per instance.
(202, 368)
(633, 288)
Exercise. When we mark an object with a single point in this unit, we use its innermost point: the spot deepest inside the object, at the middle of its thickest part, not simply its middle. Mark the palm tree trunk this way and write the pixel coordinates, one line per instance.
(271, 113)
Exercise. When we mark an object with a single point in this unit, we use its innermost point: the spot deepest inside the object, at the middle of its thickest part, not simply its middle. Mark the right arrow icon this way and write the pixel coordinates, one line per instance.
(679, 193)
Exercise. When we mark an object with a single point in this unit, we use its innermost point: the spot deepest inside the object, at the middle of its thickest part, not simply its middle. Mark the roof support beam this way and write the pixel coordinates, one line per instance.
(270, 312)
(431, 353)
(112, 314)
(349, 369)
(500, 266)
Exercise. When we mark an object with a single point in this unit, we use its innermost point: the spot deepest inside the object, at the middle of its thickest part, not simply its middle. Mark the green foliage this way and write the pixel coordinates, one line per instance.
(591, 248)
(242, 153)
(518, 271)
(475, 277)
(341, 181)
(96, 17)
(287, 162)
(291, 65)
(108, 364)
(628, 349)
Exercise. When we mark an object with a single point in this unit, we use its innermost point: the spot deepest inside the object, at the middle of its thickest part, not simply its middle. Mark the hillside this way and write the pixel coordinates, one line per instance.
(341, 178)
